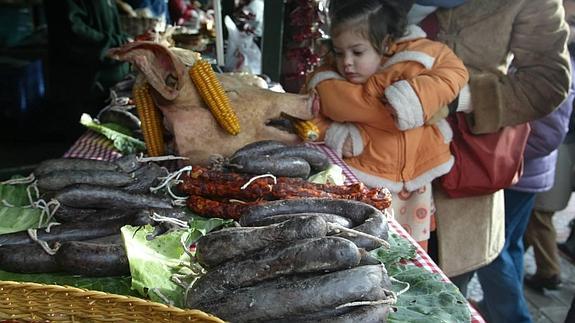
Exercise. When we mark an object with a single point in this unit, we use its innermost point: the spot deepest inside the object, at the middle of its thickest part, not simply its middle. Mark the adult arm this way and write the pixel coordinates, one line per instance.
(541, 78)
(416, 99)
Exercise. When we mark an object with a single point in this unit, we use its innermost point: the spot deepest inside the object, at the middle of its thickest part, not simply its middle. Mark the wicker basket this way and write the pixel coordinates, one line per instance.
(54, 303)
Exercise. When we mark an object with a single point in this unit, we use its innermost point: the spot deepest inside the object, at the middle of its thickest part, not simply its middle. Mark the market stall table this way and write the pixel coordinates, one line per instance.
(94, 146)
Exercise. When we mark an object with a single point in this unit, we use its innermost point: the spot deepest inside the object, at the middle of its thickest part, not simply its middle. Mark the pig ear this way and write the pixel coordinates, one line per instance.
(163, 71)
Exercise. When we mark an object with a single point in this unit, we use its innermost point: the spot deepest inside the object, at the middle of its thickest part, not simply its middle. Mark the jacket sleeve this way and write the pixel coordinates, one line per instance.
(342, 101)
(549, 132)
(542, 76)
(415, 100)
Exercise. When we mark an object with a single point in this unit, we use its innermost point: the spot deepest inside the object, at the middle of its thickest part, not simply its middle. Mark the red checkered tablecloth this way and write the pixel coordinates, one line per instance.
(94, 146)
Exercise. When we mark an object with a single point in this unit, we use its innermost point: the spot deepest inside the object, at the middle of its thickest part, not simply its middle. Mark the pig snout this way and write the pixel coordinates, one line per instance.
(300, 106)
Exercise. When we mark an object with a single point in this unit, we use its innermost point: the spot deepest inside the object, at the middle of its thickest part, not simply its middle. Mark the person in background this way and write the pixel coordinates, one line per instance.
(568, 246)
(538, 181)
(80, 32)
(182, 11)
(541, 234)
(149, 8)
(385, 81)
(490, 36)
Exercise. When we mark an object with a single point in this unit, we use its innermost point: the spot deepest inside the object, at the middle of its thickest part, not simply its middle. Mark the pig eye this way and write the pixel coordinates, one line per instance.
(171, 81)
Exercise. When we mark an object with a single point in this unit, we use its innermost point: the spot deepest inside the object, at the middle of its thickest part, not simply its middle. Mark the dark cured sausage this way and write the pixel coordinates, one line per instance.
(304, 256)
(57, 164)
(223, 245)
(257, 148)
(285, 166)
(69, 232)
(366, 218)
(27, 259)
(93, 259)
(57, 180)
(302, 295)
(91, 196)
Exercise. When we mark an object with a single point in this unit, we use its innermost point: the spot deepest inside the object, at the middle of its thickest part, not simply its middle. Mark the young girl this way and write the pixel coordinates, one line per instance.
(381, 87)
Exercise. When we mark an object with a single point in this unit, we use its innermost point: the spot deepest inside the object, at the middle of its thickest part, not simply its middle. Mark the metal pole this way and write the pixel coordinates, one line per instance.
(219, 33)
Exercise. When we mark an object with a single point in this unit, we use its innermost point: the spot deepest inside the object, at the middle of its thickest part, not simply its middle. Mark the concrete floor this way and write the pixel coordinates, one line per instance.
(551, 306)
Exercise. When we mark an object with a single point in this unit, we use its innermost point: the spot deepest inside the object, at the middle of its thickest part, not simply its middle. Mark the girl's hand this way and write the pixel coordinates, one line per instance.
(347, 149)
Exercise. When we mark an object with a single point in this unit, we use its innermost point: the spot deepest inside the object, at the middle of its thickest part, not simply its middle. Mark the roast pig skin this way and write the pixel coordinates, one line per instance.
(196, 133)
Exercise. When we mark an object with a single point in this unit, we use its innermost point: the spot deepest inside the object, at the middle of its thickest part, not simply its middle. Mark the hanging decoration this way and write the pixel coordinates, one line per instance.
(304, 23)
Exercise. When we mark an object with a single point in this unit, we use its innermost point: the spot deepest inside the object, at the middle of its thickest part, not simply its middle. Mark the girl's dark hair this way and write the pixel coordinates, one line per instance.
(374, 19)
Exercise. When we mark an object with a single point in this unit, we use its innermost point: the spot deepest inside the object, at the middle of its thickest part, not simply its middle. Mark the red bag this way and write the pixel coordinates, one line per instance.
(484, 163)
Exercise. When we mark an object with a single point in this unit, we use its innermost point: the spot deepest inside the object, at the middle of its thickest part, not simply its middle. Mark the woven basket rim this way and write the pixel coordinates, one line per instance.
(26, 300)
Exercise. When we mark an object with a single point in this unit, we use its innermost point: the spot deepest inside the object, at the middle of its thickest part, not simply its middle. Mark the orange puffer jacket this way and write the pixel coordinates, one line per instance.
(385, 118)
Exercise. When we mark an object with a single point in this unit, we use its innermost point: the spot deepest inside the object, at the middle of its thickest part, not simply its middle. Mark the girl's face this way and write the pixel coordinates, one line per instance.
(355, 57)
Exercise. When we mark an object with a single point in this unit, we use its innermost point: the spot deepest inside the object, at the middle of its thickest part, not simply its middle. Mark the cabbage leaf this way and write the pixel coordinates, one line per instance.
(120, 136)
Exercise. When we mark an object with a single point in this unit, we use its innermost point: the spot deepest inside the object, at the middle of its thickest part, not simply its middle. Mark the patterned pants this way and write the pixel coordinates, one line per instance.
(414, 211)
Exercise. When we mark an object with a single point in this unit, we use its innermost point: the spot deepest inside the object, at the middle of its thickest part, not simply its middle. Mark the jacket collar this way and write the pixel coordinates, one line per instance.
(413, 32)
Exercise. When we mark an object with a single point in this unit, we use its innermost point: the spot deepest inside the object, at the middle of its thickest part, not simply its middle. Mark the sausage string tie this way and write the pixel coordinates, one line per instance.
(392, 299)
(257, 177)
(46, 209)
(33, 192)
(393, 279)
(50, 225)
(338, 228)
(159, 218)
(168, 179)
(159, 158)
(33, 234)
(22, 180)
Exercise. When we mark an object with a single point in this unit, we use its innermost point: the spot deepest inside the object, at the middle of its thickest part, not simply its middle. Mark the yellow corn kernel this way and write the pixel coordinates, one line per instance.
(306, 130)
(213, 94)
(151, 119)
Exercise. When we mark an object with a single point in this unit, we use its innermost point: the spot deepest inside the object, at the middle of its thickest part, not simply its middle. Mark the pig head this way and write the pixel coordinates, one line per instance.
(196, 134)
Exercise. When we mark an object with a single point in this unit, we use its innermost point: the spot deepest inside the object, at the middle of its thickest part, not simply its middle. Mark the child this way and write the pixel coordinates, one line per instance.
(384, 82)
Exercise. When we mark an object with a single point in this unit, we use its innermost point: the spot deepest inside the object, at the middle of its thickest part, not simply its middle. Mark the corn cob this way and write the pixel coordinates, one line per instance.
(306, 130)
(213, 94)
(151, 119)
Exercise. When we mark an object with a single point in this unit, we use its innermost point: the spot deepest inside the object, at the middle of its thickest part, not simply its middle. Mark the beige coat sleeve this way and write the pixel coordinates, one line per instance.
(540, 77)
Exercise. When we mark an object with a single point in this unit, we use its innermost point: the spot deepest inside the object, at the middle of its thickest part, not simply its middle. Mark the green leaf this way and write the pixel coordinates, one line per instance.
(201, 226)
(15, 211)
(429, 299)
(124, 143)
(400, 249)
(153, 263)
(14, 219)
(14, 194)
(332, 175)
(112, 285)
